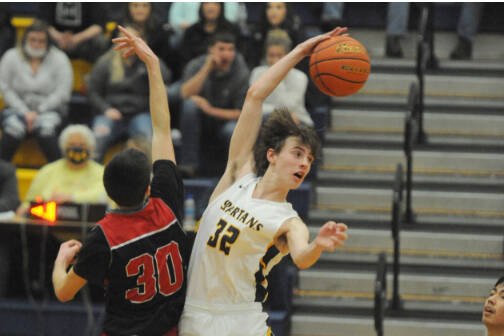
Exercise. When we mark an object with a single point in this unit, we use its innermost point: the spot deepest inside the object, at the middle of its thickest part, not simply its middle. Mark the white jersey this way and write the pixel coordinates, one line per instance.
(234, 251)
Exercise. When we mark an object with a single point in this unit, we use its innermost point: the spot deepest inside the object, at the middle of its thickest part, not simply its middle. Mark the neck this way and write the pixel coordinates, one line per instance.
(76, 166)
(495, 331)
(268, 189)
(210, 26)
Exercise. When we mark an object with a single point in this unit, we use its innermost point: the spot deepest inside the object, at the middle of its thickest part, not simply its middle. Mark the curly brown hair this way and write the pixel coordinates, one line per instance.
(277, 128)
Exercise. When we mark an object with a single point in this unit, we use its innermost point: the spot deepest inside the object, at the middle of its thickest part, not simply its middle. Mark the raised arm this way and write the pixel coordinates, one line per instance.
(162, 145)
(246, 131)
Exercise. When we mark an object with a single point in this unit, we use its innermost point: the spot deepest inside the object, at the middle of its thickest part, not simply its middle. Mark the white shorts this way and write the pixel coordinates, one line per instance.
(240, 320)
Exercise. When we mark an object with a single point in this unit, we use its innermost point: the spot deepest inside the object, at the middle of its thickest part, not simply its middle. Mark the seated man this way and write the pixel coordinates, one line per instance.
(214, 85)
(77, 27)
(74, 178)
(36, 84)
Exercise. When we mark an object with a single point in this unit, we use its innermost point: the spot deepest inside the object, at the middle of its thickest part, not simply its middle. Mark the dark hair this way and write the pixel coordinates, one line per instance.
(150, 24)
(273, 134)
(500, 281)
(126, 177)
(37, 26)
(220, 20)
(222, 36)
(288, 23)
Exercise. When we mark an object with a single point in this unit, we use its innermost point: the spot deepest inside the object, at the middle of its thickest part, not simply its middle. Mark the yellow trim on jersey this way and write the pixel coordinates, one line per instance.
(269, 332)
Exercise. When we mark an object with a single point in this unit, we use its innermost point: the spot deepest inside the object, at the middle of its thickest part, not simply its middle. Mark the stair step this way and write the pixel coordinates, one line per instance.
(312, 325)
(400, 102)
(422, 244)
(434, 123)
(413, 286)
(429, 162)
(454, 203)
(435, 85)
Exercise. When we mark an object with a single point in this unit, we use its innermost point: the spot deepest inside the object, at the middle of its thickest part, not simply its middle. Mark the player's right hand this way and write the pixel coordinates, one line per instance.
(68, 250)
(330, 235)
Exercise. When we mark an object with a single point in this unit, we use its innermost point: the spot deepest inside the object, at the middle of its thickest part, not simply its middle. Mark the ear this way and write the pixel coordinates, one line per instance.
(271, 155)
(147, 192)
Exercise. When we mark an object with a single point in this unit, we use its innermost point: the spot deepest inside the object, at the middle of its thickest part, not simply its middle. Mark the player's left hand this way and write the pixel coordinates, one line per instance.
(134, 45)
(68, 250)
(330, 235)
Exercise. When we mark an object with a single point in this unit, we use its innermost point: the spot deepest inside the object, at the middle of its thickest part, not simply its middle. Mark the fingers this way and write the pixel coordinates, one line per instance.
(125, 32)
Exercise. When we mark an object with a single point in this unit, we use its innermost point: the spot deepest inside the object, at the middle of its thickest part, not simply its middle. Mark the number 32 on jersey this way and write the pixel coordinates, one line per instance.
(226, 239)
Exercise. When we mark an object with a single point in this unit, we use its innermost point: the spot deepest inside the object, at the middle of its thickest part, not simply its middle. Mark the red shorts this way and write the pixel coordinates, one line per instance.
(172, 332)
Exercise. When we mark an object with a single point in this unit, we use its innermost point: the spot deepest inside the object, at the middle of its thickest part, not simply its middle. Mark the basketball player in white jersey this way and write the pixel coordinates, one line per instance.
(248, 225)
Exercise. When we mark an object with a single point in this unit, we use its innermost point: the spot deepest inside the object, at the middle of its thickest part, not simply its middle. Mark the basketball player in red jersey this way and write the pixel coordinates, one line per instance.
(138, 251)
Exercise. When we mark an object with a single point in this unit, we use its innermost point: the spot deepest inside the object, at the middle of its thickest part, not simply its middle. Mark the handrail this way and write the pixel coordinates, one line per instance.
(380, 294)
(411, 131)
(397, 198)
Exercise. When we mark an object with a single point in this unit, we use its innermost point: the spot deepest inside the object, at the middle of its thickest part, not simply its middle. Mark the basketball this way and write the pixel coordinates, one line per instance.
(339, 66)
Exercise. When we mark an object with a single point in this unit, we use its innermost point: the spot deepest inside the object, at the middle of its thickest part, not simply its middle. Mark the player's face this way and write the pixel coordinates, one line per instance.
(276, 12)
(493, 311)
(211, 10)
(224, 54)
(293, 162)
(140, 11)
(274, 54)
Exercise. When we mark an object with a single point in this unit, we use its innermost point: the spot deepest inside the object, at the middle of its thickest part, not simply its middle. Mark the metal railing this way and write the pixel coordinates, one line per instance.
(411, 130)
(397, 200)
(380, 294)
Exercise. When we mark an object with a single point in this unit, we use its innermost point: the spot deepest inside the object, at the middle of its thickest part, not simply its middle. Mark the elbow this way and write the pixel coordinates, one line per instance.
(63, 297)
(301, 264)
(253, 93)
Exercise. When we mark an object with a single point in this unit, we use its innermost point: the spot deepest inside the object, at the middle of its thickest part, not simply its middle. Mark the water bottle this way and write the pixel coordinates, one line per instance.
(190, 210)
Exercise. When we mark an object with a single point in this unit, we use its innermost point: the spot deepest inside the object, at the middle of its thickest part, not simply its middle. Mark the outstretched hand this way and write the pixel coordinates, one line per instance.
(132, 44)
(330, 235)
(308, 45)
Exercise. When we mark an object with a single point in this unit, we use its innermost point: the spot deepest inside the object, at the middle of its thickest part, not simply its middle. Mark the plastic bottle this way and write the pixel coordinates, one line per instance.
(190, 210)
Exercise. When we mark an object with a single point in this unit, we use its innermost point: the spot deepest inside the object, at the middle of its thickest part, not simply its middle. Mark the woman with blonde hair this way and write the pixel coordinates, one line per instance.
(119, 93)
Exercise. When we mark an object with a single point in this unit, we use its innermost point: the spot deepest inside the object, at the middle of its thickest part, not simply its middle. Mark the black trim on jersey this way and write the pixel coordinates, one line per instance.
(260, 276)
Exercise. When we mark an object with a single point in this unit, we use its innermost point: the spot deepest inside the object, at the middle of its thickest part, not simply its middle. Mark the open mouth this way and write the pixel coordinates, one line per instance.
(299, 175)
(488, 310)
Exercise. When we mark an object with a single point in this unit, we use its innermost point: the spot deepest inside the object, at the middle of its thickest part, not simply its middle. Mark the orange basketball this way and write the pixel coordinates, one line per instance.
(339, 66)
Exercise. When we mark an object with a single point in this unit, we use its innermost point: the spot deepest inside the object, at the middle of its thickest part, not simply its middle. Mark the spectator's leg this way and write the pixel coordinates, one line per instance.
(332, 13)
(105, 131)
(190, 126)
(140, 125)
(13, 133)
(44, 129)
(467, 28)
(397, 23)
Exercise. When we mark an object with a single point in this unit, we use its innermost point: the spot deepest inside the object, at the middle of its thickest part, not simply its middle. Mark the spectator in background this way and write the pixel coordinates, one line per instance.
(211, 20)
(74, 178)
(77, 27)
(291, 91)
(184, 14)
(493, 311)
(141, 17)
(36, 84)
(214, 88)
(274, 15)
(118, 91)
(332, 13)
(467, 27)
(7, 33)
(9, 201)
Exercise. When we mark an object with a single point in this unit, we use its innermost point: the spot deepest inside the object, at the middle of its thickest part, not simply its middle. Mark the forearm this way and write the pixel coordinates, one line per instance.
(59, 277)
(269, 80)
(194, 85)
(88, 33)
(229, 114)
(158, 99)
(305, 256)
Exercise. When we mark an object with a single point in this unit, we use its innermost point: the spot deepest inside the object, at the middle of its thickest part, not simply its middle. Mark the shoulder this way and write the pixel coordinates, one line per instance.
(95, 166)
(51, 167)
(11, 55)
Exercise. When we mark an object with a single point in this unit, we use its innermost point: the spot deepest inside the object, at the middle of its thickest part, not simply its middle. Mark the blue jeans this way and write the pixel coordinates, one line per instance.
(107, 131)
(190, 126)
(467, 25)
